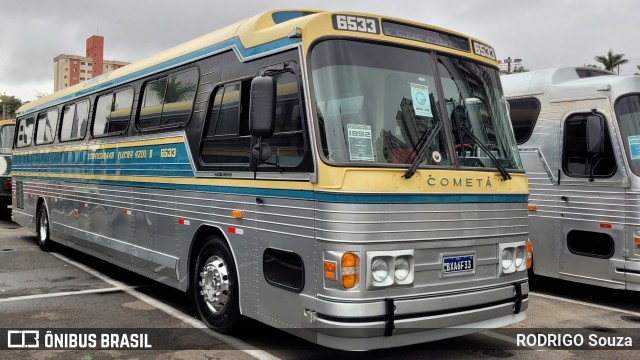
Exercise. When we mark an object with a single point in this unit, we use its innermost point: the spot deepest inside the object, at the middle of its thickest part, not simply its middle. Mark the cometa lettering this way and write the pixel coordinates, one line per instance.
(460, 182)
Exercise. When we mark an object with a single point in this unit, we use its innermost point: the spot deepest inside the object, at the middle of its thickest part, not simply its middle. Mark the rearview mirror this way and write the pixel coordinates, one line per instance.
(262, 107)
(595, 134)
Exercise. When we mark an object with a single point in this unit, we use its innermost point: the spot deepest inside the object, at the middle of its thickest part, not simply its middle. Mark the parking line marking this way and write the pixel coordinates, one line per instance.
(578, 302)
(238, 344)
(62, 293)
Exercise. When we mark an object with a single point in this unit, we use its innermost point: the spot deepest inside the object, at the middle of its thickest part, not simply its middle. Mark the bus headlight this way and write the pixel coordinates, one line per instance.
(507, 260)
(513, 257)
(390, 268)
(401, 269)
(379, 270)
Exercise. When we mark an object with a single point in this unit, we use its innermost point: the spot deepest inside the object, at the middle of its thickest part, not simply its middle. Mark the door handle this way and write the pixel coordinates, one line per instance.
(564, 198)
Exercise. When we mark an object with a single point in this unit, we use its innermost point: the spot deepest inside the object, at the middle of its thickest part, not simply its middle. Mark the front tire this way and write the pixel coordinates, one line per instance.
(42, 229)
(215, 285)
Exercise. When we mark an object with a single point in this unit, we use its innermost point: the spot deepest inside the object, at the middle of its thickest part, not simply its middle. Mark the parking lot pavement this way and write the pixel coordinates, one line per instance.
(67, 289)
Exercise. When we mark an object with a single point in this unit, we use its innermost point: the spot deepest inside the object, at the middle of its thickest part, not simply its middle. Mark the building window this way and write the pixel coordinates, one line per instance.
(82, 63)
(65, 85)
(82, 78)
(66, 69)
(82, 71)
(65, 76)
(75, 70)
(90, 64)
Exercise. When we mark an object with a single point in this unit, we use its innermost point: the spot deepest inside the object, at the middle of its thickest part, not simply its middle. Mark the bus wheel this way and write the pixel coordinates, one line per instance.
(216, 285)
(42, 229)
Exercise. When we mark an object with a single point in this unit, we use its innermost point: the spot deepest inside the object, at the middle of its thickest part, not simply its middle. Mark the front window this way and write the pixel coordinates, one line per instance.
(628, 112)
(386, 109)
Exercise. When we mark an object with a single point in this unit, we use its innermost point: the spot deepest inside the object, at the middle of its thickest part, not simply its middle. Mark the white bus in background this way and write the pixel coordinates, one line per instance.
(578, 133)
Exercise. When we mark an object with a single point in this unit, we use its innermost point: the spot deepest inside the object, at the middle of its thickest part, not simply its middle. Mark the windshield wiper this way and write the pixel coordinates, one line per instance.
(503, 172)
(425, 146)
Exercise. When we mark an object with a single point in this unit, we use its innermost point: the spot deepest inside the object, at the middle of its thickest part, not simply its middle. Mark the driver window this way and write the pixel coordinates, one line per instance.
(576, 160)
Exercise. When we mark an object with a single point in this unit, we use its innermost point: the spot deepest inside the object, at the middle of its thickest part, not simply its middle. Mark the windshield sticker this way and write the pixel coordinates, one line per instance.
(360, 144)
(421, 103)
(436, 156)
(634, 146)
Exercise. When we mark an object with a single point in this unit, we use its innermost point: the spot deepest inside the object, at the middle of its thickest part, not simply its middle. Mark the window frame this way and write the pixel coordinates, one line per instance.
(62, 119)
(608, 140)
(93, 108)
(167, 75)
(533, 123)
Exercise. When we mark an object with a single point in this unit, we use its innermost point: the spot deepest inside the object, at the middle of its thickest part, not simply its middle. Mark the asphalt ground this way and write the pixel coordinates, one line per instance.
(66, 290)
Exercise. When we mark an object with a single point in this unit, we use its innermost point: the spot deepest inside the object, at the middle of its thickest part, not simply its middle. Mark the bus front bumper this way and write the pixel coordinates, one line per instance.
(399, 322)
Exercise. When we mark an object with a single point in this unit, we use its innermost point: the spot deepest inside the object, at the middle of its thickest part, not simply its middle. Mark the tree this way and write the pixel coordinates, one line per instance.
(12, 104)
(611, 60)
(638, 66)
(591, 65)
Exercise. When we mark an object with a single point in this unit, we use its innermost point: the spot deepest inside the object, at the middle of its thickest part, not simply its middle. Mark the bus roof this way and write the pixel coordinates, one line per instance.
(271, 31)
(7, 121)
(569, 83)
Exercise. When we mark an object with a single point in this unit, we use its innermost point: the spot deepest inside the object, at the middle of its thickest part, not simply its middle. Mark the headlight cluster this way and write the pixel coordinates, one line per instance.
(513, 257)
(390, 268)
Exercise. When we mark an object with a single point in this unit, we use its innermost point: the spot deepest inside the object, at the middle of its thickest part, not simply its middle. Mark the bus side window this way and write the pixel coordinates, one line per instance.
(226, 140)
(113, 112)
(524, 114)
(25, 132)
(167, 102)
(287, 143)
(74, 121)
(47, 126)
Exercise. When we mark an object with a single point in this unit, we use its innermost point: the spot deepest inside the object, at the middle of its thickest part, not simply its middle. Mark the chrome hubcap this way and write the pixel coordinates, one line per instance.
(44, 226)
(214, 284)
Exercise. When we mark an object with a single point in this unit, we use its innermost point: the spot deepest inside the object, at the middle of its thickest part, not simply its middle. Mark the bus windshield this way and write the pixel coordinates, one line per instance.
(628, 113)
(380, 105)
(6, 139)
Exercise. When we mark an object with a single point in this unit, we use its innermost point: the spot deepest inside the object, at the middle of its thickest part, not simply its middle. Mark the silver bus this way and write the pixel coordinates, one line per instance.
(282, 169)
(578, 132)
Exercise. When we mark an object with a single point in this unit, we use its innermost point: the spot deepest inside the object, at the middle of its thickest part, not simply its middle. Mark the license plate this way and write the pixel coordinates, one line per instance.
(457, 264)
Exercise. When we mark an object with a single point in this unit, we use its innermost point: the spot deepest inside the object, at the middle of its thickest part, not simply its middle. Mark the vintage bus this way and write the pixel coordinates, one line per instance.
(578, 131)
(6, 143)
(349, 178)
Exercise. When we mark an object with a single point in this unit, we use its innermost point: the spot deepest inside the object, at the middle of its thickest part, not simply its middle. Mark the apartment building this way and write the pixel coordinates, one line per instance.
(69, 70)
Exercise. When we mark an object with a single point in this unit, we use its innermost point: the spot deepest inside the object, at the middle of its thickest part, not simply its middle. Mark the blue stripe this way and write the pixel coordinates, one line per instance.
(207, 51)
(317, 195)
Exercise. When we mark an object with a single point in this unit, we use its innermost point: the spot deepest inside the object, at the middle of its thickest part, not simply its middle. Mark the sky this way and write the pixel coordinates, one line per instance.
(543, 33)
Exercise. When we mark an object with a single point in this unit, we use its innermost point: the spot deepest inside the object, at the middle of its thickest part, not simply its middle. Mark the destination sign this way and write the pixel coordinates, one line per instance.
(428, 36)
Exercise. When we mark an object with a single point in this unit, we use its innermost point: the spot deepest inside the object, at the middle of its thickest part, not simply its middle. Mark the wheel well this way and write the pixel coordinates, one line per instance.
(198, 242)
(38, 205)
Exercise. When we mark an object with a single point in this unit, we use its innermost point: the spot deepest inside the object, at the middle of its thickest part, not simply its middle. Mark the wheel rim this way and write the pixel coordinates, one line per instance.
(44, 226)
(214, 284)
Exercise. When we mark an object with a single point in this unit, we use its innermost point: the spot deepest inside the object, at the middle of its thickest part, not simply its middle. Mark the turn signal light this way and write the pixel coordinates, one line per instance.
(349, 270)
(330, 270)
(530, 254)
(236, 214)
(532, 207)
(637, 241)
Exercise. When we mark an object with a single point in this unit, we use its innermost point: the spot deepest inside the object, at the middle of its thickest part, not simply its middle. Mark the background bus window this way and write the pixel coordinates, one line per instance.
(46, 127)
(524, 114)
(74, 121)
(6, 139)
(168, 101)
(25, 132)
(113, 112)
(576, 160)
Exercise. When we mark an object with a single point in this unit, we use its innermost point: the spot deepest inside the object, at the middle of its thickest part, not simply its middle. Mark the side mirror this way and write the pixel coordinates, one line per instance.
(595, 134)
(262, 107)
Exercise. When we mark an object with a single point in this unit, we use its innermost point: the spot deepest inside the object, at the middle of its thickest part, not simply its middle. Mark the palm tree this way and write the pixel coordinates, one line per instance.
(611, 60)
(638, 66)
